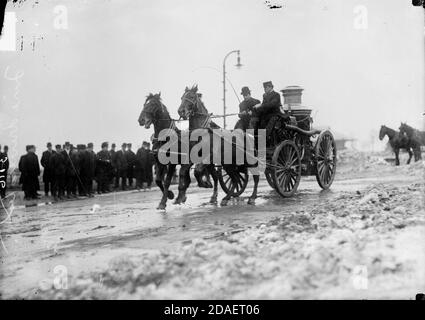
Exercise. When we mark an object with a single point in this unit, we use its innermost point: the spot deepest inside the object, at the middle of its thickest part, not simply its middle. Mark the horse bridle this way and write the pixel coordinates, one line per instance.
(154, 120)
(207, 120)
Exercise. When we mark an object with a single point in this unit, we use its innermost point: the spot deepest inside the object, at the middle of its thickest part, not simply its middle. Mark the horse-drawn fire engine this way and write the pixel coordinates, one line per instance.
(293, 149)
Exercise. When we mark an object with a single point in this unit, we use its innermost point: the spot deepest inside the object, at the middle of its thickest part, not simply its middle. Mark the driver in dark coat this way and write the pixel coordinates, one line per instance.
(270, 106)
(247, 114)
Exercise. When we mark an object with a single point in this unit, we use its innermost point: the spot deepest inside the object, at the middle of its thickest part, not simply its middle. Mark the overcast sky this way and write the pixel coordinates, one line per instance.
(87, 83)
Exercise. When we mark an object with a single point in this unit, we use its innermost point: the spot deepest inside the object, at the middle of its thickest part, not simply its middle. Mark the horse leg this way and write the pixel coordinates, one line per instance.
(187, 183)
(415, 153)
(397, 160)
(184, 181)
(226, 199)
(159, 178)
(167, 194)
(410, 155)
(253, 196)
(213, 173)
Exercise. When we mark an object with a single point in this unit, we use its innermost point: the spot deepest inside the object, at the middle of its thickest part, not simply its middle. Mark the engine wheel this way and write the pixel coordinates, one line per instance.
(286, 168)
(269, 178)
(325, 159)
(233, 179)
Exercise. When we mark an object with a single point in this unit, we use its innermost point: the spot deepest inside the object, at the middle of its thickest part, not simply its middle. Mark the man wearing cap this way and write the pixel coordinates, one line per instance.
(81, 179)
(140, 170)
(247, 115)
(57, 164)
(122, 166)
(66, 152)
(89, 169)
(74, 172)
(103, 167)
(131, 162)
(270, 106)
(114, 173)
(142, 165)
(47, 171)
(30, 170)
(150, 165)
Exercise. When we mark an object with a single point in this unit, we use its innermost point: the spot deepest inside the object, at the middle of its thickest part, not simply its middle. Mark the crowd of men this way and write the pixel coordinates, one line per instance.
(70, 171)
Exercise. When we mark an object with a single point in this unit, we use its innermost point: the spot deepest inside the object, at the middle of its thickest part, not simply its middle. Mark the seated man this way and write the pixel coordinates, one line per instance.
(269, 107)
(247, 114)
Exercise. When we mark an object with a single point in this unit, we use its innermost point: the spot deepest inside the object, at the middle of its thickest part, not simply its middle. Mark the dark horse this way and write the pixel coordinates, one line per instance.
(202, 171)
(397, 142)
(154, 112)
(416, 139)
(192, 108)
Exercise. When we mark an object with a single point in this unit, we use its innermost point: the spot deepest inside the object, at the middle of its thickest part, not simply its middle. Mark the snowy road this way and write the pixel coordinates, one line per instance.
(82, 236)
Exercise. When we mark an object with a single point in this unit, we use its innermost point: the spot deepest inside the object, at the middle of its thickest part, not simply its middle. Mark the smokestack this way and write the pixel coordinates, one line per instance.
(292, 95)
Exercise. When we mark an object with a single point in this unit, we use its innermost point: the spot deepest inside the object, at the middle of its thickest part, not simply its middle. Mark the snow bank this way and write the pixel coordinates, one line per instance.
(313, 253)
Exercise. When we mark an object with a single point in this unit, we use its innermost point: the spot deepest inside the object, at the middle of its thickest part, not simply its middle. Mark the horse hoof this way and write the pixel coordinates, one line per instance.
(161, 206)
(223, 203)
(213, 200)
(184, 199)
(170, 195)
(251, 201)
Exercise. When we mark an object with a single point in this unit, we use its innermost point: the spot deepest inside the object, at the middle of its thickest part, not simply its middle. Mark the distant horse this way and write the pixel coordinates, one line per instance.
(192, 108)
(416, 139)
(397, 142)
(154, 112)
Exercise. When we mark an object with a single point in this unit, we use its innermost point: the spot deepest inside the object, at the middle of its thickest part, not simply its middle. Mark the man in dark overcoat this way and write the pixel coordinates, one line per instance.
(269, 107)
(103, 169)
(131, 162)
(247, 113)
(57, 164)
(122, 165)
(47, 170)
(30, 170)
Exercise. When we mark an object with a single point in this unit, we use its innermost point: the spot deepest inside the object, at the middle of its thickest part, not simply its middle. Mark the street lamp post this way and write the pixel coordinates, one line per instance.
(224, 82)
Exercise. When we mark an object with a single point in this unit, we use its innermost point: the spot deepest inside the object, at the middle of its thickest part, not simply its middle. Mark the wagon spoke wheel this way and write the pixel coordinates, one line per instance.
(233, 180)
(269, 178)
(325, 159)
(286, 168)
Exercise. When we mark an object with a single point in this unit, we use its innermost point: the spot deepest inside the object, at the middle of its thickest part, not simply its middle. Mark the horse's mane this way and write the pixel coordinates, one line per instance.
(201, 106)
(158, 99)
(156, 96)
(388, 128)
(406, 126)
